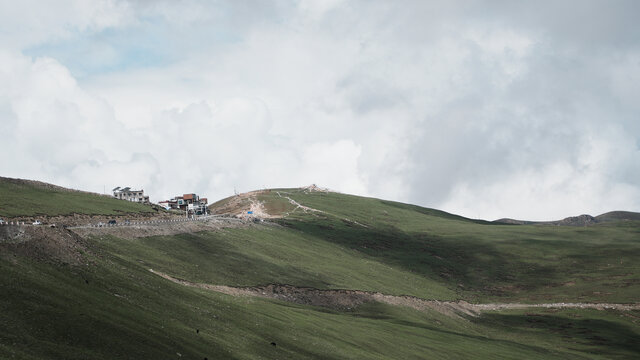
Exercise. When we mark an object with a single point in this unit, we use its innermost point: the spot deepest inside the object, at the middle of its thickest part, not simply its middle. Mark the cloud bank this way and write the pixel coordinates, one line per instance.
(486, 109)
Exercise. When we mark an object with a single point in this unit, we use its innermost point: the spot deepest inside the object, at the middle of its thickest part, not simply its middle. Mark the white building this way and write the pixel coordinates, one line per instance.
(130, 195)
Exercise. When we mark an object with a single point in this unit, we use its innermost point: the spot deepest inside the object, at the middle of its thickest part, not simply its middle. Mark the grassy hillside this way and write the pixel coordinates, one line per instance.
(619, 216)
(116, 309)
(31, 198)
(110, 306)
(479, 261)
(267, 254)
(501, 264)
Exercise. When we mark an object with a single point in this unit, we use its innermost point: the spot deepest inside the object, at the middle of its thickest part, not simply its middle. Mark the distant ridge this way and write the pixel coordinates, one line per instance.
(618, 215)
(580, 220)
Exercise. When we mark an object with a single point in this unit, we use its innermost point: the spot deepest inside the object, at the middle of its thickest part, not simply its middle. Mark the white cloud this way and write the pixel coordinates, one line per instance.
(30, 22)
(590, 184)
(485, 113)
(322, 161)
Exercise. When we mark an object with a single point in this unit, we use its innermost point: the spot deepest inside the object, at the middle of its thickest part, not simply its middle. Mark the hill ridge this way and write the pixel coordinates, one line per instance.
(579, 220)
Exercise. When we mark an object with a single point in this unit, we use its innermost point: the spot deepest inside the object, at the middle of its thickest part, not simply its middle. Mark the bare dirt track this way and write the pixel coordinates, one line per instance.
(347, 299)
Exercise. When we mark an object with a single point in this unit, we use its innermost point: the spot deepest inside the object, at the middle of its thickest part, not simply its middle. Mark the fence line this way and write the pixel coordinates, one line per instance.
(12, 223)
(130, 223)
(199, 218)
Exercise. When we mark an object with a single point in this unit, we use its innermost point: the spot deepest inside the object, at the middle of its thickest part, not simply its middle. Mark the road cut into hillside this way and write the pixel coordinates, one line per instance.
(161, 227)
(348, 299)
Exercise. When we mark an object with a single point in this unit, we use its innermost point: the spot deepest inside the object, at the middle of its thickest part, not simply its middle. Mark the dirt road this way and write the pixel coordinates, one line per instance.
(347, 299)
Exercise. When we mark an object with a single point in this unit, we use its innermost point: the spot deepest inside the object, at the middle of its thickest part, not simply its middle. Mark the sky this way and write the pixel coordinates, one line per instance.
(487, 109)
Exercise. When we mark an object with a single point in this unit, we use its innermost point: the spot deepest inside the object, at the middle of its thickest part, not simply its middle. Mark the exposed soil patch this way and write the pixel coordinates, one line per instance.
(246, 206)
(43, 244)
(338, 299)
(219, 288)
(238, 205)
(315, 188)
(257, 209)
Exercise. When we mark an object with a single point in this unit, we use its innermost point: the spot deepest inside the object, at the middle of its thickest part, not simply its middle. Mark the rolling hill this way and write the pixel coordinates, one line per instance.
(318, 274)
(23, 198)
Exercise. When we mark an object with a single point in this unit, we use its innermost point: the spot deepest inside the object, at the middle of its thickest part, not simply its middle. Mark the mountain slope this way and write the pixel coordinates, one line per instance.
(120, 311)
(479, 261)
(108, 304)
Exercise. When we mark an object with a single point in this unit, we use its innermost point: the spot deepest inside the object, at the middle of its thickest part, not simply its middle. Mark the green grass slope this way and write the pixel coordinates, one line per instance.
(267, 255)
(110, 306)
(619, 216)
(116, 309)
(31, 198)
(424, 252)
(478, 261)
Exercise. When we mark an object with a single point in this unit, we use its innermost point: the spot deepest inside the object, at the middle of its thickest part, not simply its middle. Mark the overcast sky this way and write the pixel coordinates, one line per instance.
(492, 109)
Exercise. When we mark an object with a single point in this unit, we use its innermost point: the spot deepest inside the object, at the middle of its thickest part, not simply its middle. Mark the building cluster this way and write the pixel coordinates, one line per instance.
(130, 195)
(191, 203)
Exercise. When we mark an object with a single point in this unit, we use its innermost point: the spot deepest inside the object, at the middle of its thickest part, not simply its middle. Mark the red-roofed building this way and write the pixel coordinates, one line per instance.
(187, 202)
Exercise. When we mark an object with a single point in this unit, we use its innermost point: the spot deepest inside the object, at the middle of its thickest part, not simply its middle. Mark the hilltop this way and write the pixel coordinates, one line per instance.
(311, 273)
(479, 260)
(28, 198)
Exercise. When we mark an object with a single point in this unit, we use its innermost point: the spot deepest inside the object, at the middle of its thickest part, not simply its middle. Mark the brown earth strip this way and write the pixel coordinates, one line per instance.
(347, 299)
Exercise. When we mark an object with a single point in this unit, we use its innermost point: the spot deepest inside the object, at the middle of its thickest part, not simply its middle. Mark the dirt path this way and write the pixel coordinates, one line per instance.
(312, 210)
(596, 306)
(219, 288)
(347, 299)
(298, 206)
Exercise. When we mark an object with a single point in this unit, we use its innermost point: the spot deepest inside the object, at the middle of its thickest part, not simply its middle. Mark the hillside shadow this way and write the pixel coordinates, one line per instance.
(199, 257)
(595, 336)
(432, 212)
(469, 263)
